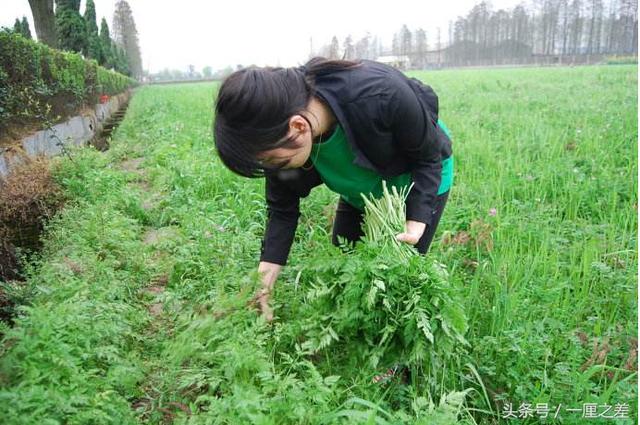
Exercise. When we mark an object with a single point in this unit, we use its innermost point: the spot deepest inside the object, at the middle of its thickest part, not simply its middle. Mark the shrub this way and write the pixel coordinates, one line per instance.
(37, 82)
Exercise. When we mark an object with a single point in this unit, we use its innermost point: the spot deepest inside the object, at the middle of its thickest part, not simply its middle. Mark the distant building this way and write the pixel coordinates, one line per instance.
(434, 58)
(400, 62)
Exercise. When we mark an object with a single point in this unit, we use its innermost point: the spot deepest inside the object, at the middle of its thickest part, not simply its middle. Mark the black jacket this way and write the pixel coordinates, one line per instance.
(390, 122)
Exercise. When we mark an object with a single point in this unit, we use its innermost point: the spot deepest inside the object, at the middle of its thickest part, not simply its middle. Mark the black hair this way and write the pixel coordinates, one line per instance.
(253, 108)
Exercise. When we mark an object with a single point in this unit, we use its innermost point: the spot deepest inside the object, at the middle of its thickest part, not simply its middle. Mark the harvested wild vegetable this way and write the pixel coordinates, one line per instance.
(385, 218)
(383, 304)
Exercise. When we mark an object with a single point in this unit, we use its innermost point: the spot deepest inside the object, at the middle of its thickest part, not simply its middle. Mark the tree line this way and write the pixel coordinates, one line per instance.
(485, 36)
(64, 28)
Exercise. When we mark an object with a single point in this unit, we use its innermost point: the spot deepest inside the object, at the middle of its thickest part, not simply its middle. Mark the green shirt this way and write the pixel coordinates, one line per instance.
(333, 160)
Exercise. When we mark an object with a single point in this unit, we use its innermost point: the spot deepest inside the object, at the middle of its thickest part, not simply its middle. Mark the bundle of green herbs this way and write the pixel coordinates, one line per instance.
(383, 304)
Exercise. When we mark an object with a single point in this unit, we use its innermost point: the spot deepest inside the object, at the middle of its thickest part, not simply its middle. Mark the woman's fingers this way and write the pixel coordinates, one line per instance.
(269, 273)
(266, 310)
(413, 232)
(261, 300)
(409, 238)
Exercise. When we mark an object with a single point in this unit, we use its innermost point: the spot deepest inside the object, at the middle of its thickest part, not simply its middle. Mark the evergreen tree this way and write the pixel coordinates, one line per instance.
(125, 36)
(17, 26)
(120, 60)
(421, 47)
(26, 31)
(93, 48)
(334, 48)
(22, 27)
(349, 49)
(106, 54)
(71, 28)
(90, 17)
(405, 41)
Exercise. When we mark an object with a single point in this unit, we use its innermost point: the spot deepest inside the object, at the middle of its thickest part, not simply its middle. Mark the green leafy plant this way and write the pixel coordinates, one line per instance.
(383, 303)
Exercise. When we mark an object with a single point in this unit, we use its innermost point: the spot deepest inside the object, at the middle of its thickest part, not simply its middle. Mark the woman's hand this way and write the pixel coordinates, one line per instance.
(270, 272)
(413, 232)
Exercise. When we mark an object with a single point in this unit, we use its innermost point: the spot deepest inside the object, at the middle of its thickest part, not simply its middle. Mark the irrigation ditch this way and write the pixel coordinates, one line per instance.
(29, 196)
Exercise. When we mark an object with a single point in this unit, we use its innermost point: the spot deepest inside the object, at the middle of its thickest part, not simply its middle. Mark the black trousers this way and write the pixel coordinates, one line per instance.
(348, 223)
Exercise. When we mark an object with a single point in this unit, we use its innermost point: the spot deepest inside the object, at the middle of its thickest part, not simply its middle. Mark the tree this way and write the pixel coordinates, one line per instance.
(334, 48)
(395, 45)
(564, 13)
(106, 53)
(550, 14)
(26, 31)
(375, 48)
(421, 47)
(207, 72)
(90, 17)
(362, 47)
(628, 42)
(595, 26)
(17, 26)
(575, 37)
(405, 41)
(94, 45)
(521, 29)
(120, 63)
(477, 29)
(450, 32)
(125, 36)
(349, 49)
(22, 27)
(70, 27)
(44, 21)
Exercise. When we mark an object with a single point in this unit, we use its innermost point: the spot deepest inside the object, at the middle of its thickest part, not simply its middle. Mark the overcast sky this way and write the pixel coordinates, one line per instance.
(175, 34)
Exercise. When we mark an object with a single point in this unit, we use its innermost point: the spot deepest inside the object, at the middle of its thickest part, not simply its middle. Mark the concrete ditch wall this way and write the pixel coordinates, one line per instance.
(78, 130)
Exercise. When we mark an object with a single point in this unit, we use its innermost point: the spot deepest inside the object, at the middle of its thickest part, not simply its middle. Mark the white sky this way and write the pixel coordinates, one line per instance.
(174, 34)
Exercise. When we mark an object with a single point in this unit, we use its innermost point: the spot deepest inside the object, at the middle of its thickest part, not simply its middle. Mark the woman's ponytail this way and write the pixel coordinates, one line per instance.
(318, 66)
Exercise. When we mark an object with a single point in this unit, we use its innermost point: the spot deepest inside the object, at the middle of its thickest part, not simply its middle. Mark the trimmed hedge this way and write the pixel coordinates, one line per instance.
(38, 83)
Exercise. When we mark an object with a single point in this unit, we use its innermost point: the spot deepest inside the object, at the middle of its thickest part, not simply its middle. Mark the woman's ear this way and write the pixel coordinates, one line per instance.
(298, 124)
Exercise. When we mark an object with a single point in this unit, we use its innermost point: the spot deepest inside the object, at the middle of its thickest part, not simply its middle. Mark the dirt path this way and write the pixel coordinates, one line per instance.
(157, 242)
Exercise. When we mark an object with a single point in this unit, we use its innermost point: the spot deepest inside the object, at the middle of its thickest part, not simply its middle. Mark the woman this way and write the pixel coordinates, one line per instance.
(346, 124)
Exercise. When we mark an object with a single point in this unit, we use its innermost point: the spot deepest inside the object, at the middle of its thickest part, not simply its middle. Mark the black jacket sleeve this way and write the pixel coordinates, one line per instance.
(283, 190)
(283, 211)
(414, 129)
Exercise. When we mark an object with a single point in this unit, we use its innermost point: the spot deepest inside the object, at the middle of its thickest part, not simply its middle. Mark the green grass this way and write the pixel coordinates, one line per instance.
(128, 326)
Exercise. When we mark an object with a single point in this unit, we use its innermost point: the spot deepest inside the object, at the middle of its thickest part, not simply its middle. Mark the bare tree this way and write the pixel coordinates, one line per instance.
(564, 27)
(628, 43)
(576, 26)
(546, 28)
(522, 26)
(595, 24)
(439, 45)
(421, 47)
(450, 33)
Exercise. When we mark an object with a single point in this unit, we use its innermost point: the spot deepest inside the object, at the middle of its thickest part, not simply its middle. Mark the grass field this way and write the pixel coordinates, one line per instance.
(136, 311)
